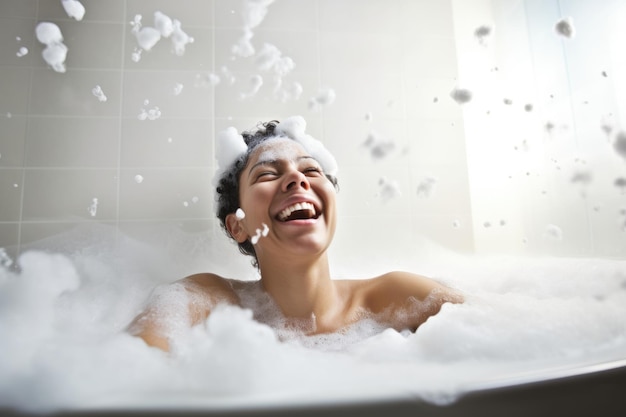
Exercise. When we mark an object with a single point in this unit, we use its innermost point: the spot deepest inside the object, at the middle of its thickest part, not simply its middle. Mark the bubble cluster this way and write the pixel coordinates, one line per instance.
(55, 51)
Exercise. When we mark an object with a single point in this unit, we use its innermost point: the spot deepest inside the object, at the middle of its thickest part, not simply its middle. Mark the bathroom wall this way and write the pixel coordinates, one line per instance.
(390, 64)
(366, 72)
(547, 176)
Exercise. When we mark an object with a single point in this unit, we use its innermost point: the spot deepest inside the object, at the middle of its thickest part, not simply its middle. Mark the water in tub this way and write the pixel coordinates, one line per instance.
(63, 312)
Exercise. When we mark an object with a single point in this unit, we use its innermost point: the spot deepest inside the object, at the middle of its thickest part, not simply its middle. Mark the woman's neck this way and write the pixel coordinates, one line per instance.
(301, 290)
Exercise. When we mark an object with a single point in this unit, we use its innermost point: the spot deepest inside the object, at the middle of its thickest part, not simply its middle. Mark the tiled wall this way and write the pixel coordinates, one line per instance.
(386, 60)
(391, 64)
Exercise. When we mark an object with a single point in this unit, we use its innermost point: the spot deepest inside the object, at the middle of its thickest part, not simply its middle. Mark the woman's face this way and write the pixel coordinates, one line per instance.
(284, 188)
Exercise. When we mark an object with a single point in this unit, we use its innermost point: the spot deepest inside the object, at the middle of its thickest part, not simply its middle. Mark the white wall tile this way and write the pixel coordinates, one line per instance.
(167, 143)
(12, 137)
(71, 93)
(72, 142)
(19, 8)
(11, 191)
(371, 53)
(372, 16)
(14, 90)
(165, 194)
(67, 194)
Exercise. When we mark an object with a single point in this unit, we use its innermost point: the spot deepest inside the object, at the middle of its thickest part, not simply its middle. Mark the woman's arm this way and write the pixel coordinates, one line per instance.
(175, 307)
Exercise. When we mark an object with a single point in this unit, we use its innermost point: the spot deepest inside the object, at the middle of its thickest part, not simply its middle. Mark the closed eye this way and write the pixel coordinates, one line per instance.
(312, 171)
(266, 175)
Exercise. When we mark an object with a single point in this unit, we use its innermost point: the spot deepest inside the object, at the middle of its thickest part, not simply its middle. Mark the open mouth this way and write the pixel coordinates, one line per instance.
(298, 211)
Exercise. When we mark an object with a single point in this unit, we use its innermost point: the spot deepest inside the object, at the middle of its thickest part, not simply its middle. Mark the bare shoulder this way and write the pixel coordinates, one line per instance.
(213, 284)
(396, 287)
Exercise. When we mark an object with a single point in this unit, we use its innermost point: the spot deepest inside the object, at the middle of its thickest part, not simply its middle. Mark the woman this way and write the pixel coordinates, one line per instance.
(276, 198)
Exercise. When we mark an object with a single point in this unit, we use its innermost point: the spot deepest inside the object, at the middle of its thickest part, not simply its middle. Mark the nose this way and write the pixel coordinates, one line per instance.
(294, 179)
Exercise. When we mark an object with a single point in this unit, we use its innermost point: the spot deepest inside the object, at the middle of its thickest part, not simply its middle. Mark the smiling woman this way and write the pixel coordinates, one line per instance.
(276, 199)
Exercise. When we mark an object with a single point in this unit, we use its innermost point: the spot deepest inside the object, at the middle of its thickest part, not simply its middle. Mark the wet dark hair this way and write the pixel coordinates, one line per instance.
(228, 185)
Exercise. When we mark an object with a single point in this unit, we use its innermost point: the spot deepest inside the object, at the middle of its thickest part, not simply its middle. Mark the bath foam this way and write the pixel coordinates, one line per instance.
(66, 302)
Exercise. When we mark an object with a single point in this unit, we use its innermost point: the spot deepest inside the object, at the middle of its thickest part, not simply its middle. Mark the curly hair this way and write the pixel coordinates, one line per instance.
(228, 185)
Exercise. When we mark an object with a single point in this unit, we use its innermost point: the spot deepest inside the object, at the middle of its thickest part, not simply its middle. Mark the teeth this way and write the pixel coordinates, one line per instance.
(298, 206)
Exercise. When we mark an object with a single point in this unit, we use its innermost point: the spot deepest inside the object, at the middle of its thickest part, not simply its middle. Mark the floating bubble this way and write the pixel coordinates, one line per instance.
(138, 179)
(239, 214)
(48, 33)
(325, 97)
(426, 186)
(256, 81)
(461, 96)
(22, 52)
(619, 145)
(163, 23)
(178, 88)
(207, 80)
(388, 189)
(98, 93)
(554, 232)
(620, 183)
(180, 39)
(147, 37)
(55, 52)
(74, 9)
(528, 107)
(482, 33)
(93, 207)
(379, 147)
(565, 27)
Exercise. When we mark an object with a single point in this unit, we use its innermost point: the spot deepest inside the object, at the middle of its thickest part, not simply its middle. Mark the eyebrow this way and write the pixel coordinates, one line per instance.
(276, 161)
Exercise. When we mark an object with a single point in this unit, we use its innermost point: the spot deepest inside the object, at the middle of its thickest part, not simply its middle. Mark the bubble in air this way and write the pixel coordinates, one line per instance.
(55, 52)
(256, 81)
(239, 214)
(619, 145)
(325, 97)
(426, 187)
(98, 93)
(388, 189)
(74, 9)
(138, 179)
(565, 27)
(147, 37)
(482, 33)
(461, 95)
(22, 52)
(379, 147)
(178, 88)
(205, 80)
(553, 232)
(93, 207)
(581, 177)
